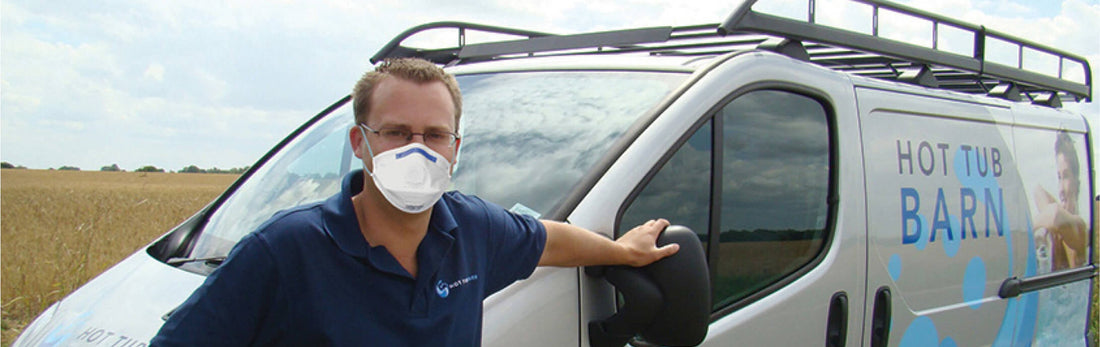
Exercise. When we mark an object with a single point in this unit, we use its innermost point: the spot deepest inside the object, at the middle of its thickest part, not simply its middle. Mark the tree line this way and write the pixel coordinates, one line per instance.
(146, 168)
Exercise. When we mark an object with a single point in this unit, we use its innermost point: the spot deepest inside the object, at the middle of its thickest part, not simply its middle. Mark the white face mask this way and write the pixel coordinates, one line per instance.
(412, 177)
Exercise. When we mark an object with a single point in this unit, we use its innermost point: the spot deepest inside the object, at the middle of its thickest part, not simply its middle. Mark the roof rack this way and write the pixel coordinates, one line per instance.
(393, 49)
(857, 53)
(969, 74)
(540, 43)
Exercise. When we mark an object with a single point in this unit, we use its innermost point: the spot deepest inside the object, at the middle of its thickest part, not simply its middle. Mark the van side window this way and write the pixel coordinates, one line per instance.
(775, 174)
(775, 181)
(680, 192)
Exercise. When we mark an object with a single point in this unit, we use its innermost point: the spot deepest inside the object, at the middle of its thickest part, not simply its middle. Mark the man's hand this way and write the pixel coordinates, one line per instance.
(641, 244)
(569, 245)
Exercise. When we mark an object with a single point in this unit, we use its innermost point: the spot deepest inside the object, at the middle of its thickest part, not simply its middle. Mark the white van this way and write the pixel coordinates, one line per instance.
(846, 189)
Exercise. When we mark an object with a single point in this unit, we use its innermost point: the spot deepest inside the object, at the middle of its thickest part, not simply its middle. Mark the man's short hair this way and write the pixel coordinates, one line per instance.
(409, 69)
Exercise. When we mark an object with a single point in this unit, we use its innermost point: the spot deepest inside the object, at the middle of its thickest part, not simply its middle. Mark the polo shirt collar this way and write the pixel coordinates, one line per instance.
(340, 221)
(342, 225)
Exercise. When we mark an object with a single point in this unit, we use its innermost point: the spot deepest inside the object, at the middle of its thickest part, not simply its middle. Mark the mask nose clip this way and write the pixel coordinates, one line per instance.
(417, 150)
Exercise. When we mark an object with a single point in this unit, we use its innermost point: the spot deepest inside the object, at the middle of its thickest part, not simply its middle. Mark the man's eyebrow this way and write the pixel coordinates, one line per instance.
(393, 126)
(442, 128)
(406, 126)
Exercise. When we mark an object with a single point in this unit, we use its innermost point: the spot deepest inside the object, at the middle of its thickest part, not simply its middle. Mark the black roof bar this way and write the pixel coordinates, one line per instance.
(745, 20)
(393, 49)
(620, 38)
(838, 49)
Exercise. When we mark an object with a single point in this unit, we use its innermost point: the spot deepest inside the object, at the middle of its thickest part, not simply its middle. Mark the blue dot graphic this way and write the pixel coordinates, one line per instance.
(973, 287)
(895, 267)
(948, 342)
(920, 333)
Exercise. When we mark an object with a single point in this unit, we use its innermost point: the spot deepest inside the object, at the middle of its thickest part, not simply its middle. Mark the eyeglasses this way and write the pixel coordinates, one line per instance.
(400, 137)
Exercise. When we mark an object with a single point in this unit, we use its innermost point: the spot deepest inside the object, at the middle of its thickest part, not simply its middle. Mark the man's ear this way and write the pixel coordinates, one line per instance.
(355, 139)
(458, 147)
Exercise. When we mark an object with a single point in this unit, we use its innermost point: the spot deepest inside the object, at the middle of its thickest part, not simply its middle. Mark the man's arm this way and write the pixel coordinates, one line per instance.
(568, 245)
(1042, 197)
(1072, 229)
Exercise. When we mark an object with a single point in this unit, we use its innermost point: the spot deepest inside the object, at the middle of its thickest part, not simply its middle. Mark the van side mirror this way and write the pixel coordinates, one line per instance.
(178, 241)
(665, 303)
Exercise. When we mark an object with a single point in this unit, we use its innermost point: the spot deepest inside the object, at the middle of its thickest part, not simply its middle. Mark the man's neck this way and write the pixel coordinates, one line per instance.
(381, 224)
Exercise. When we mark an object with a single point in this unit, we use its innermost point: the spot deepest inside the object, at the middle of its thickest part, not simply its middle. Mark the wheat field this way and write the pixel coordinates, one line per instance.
(62, 228)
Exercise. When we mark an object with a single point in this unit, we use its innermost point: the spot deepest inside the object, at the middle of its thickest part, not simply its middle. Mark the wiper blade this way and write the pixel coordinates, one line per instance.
(216, 260)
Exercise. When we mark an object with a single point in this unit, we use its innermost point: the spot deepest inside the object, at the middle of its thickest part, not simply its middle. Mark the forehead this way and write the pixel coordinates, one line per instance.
(400, 102)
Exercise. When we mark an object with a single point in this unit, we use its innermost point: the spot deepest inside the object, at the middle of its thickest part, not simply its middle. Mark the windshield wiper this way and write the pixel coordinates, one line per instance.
(215, 260)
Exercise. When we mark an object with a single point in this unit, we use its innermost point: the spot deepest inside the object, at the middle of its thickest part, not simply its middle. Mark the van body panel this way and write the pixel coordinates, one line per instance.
(1038, 117)
(122, 306)
(541, 310)
(951, 218)
(1054, 316)
(922, 157)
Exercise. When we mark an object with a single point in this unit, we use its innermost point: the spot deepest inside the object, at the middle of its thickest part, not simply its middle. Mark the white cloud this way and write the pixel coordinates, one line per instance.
(155, 72)
(216, 83)
(145, 86)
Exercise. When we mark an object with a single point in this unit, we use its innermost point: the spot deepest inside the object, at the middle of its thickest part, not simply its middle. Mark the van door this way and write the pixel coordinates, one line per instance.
(946, 210)
(1051, 281)
(755, 168)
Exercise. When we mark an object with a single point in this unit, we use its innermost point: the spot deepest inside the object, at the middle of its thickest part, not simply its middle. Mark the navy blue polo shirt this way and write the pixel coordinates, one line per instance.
(307, 277)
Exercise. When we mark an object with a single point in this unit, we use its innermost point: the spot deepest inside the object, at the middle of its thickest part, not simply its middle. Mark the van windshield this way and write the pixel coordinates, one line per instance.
(528, 138)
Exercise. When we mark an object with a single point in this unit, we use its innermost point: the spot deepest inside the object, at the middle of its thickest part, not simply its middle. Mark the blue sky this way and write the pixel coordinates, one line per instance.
(217, 83)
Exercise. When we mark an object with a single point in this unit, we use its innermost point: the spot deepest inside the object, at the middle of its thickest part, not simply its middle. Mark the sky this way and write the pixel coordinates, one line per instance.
(218, 83)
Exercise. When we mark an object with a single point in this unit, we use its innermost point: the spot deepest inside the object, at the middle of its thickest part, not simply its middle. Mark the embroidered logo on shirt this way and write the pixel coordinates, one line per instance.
(441, 289)
(444, 289)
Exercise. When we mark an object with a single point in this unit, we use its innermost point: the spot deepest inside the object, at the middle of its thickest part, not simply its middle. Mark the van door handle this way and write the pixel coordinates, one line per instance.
(836, 333)
(1014, 286)
(880, 321)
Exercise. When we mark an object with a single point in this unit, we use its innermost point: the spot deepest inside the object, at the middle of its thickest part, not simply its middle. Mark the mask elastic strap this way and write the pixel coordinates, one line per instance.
(369, 150)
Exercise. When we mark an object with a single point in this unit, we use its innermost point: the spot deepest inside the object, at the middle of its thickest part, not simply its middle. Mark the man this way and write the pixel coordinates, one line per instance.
(391, 259)
(1058, 218)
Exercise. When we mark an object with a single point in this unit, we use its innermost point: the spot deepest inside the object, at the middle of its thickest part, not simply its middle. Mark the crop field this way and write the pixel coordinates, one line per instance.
(62, 228)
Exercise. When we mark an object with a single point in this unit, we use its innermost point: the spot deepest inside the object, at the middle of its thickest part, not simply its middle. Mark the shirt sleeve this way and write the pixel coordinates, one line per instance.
(516, 243)
(231, 305)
